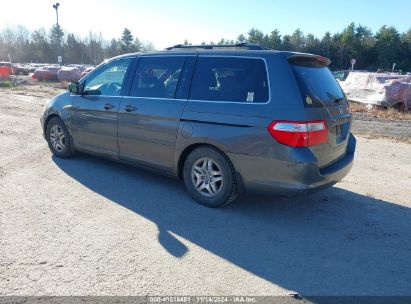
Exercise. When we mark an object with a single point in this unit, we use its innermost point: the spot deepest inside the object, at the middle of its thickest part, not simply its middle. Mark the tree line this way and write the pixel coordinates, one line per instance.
(372, 51)
(41, 46)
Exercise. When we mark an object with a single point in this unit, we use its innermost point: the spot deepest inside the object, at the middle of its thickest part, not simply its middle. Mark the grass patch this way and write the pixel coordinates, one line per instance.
(5, 84)
(379, 112)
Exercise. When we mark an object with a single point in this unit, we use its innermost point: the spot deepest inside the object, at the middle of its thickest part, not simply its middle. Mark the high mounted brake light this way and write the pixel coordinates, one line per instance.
(323, 60)
(299, 133)
(315, 61)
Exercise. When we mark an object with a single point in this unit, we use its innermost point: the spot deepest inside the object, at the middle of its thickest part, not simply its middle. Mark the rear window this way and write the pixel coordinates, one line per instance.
(230, 79)
(318, 86)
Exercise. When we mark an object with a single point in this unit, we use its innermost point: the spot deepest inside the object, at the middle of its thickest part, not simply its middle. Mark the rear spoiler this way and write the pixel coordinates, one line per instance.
(314, 61)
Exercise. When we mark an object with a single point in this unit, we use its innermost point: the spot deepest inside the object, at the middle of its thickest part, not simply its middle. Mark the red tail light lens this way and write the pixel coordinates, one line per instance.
(299, 133)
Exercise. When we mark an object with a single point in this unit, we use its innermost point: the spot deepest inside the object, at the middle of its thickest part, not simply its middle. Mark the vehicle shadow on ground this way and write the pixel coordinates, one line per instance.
(335, 242)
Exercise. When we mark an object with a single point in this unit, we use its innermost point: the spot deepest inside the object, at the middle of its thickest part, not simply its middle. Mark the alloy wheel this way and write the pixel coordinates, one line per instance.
(207, 177)
(57, 138)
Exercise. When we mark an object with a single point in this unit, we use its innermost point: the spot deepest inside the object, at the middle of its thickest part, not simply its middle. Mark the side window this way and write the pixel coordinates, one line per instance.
(157, 77)
(230, 79)
(108, 79)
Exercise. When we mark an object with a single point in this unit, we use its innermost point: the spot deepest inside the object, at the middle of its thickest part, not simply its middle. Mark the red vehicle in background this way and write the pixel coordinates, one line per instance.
(86, 71)
(46, 73)
(19, 69)
(5, 69)
(14, 69)
(70, 73)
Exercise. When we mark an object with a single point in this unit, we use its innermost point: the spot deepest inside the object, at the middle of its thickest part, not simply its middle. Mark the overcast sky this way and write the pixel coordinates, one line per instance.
(169, 22)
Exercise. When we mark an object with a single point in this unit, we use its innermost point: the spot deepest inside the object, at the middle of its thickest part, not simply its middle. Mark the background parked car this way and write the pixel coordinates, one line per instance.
(15, 69)
(5, 70)
(70, 73)
(19, 69)
(341, 75)
(87, 71)
(6, 65)
(46, 73)
(34, 66)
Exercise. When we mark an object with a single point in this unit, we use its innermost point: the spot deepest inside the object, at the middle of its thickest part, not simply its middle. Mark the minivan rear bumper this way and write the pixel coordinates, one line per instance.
(264, 174)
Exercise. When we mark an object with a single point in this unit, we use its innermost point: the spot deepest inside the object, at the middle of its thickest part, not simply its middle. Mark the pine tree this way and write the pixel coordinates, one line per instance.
(56, 34)
(127, 40)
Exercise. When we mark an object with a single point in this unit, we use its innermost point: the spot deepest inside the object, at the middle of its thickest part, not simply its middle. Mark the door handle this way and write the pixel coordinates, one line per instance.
(130, 108)
(108, 106)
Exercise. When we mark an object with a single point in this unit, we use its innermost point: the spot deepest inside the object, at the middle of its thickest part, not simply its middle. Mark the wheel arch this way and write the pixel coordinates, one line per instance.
(63, 114)
(58, 115)
(71, 150)
(184, 154)
(47, 120)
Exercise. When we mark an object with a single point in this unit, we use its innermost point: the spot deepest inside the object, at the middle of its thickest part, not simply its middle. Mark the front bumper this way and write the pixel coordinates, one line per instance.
(289, 178)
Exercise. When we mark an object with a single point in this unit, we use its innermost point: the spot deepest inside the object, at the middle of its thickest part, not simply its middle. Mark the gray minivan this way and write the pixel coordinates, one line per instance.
(224, 119)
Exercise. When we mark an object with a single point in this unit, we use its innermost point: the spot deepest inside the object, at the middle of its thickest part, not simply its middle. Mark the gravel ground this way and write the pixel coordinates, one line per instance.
(395, 129)
(87, 226)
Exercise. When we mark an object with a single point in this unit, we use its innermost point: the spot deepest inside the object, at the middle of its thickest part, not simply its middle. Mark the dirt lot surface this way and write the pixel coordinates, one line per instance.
(374, 122)
(87, 226)
(377, 128)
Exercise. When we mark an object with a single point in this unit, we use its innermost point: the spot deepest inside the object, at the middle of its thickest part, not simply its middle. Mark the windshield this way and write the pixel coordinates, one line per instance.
(318, 86)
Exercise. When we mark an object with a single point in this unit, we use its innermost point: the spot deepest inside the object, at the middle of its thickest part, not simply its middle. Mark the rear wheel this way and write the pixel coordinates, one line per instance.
(210, 177)
(59, 139)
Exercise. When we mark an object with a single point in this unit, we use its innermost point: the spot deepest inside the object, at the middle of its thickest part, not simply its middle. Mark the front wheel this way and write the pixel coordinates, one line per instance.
(210, 177)
(59, 139)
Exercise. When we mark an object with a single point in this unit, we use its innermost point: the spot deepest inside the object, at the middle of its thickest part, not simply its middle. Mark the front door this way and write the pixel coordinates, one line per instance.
(95, 112)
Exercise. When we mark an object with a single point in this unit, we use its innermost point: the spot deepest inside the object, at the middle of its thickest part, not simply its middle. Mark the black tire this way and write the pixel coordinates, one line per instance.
(228, 189)
(66, 145)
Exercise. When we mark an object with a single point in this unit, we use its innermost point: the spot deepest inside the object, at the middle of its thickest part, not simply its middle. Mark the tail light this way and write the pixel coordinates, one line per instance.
(299, 133)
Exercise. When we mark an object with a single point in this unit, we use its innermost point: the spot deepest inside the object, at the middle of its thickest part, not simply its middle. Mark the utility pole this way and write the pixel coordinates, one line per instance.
(59, 58)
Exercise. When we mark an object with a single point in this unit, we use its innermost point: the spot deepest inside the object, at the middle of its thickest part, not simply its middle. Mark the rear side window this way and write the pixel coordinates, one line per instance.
(318, 86)
(230, 79)
(157, 77)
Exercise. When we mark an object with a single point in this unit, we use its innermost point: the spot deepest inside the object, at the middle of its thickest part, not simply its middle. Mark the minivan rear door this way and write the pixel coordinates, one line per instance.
(149, 118)
(323, 99)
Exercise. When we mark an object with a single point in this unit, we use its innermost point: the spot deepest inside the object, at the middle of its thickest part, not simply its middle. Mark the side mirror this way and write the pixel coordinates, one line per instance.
(74, 88)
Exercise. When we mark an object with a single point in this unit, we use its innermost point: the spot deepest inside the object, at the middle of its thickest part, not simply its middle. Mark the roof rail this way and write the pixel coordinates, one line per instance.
(247, 46)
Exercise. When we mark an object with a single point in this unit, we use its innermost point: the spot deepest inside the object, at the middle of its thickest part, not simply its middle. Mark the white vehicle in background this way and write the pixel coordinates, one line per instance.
(379, 89)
